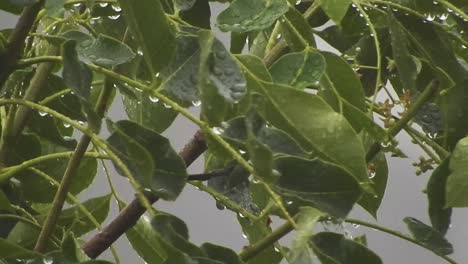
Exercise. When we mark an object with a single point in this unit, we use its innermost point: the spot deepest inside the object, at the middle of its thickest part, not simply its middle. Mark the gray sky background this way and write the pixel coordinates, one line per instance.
(206, 223)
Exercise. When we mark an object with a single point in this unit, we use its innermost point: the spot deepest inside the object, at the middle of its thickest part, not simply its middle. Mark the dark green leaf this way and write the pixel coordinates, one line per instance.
(328, 133)
(27, 147)
(245, 15)
(148, 113)
(224, 255)
(405, 63)
(378, 171)
(323, 185)
(76, 75)
(47, 127)
(300, 250)
(436, 193)
(255, 65)
(22, 2)
(299, 69)
(199, 15)
(144, 239)
(11, 250)
(297, 31)
(457, 181)
(9, 7)
(332, 248)
(335, 9)
(150, 26)
(78, 223)
(430, 237)
(165, 175)
(174, 232)
(362, 239)
(4, 202)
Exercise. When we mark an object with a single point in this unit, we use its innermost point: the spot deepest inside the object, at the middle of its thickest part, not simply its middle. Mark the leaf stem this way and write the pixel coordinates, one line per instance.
(436, 147)
(397, 234)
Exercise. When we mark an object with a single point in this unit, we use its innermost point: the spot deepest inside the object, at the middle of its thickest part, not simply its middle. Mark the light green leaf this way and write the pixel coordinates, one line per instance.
(332, 248)
(297, 31)
(457, 182)
(317, 183)
(4, 202)
(256, 66)
(299, 69)
(246, 15)
(335, 9)
(168, 176)
(11, 250)
(430, 237)
(150, 26)
(306, 220)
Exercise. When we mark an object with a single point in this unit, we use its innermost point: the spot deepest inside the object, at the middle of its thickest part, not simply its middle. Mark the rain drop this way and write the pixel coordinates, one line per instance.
(298, 2)
(103, 4)
(42, 113)
(443, 16)
(358, 49)
(289, 202)
(167, 106)
(114, 17)
(153, 99)
(218, 130)
(241, 215)
(463, 46)
(244, 235)
(430, 17)
(66, 125)
(157, 75)
(77, 5)
(196, 103)
(372, 174)
(139, 52)
(356, 225)
(242, 151)
(278, 36)
(276, 249)
(276, 173)
(116, 8)
(224, 125)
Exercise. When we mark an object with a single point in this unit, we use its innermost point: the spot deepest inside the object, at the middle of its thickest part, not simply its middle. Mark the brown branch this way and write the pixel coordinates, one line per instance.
(133, 211)
(17, 39)
(211, 174)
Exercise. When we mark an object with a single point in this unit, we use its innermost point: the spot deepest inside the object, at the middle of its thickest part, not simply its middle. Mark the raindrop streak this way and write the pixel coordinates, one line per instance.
(218, 130)
(153, 99)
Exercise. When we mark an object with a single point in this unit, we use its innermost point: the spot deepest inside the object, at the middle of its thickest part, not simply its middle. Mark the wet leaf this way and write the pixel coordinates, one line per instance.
(430, 237)
(436, 194)
(300, 70)
(76, 74)
(332, 248)
(164, 170)
(245, 15)
(300, 251)
(320, 184)
(150, 26)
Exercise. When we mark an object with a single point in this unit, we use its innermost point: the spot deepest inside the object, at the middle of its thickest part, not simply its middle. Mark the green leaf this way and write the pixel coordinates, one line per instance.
(332, 248)
(297, 31)
(7, 6)
(300, 250)
(148, 113)
(222, 254)
(328, 133)
(255, 231)
(379, 174)
(436, 193)
(150, 26)
(11, 250)
(256, 67)
(345, 80)
(78, 223)
(54, 8)
(22, 3)
(183, 5)
(174, 232)
(39, 190)
(181, 76)
(164, 172)
(47, 127)
(103, 50)
(199, 15)
(245, 15)
(457, 182)
(405, 63)
(427, 235)
(335, 9)
(299, 69)
(317, 183)
(4, 202)
(76, 75)
(144, 239)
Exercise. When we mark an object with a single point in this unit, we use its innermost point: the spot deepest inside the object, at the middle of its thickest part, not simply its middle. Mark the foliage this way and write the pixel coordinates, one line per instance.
(289, 130)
